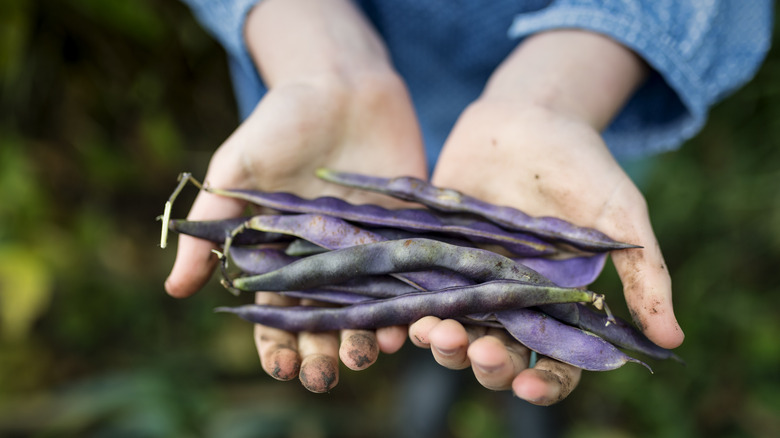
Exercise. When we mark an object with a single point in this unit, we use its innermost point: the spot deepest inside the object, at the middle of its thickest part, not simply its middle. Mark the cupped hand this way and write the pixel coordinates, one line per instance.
(547, 164)
(366, 127)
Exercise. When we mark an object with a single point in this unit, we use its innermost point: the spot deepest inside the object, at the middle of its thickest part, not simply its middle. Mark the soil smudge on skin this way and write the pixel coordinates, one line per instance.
(638, 321)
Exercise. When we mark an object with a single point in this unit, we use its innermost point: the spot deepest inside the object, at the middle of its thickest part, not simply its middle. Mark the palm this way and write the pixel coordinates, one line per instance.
(544, 165)
(548, 165)
(297, 129)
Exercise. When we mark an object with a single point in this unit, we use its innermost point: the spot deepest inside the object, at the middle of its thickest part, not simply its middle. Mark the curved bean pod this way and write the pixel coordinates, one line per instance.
(377, 286)
(569, 272)
(619, 332)
(259, 260)
(405, 219)
(417, 190)
(563, 342)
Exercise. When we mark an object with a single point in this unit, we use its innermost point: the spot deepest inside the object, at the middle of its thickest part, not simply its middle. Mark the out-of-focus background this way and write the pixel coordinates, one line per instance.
(103, 103)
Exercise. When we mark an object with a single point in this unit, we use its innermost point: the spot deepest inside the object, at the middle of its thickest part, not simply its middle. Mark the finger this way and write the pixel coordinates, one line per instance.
(648, 292)
(192, 268)
(319, 358)
(277, 349)
(496, 359)
(449, 342)
(319, 367)
(359, 349)
(419, 331)
(647, 284)
(547, 383)
(391, 339)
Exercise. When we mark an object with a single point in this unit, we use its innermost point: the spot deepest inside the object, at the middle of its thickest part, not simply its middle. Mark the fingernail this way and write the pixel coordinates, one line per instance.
(487, 369)
(446, 351)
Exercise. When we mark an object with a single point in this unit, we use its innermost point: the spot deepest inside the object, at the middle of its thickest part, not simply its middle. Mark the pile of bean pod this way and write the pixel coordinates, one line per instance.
(454, 257)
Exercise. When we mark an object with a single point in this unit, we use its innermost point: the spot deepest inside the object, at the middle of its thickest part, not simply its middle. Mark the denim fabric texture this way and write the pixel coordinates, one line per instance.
(700, 51)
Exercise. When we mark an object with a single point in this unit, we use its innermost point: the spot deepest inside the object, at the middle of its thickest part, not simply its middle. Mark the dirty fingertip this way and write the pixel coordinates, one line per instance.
(319, 373)
(282, 364)
(419, 331)
(657, 321)
(538, 387)
(359, 350)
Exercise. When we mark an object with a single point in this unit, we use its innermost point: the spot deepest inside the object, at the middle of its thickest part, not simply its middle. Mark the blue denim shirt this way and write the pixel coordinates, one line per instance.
(700, 52)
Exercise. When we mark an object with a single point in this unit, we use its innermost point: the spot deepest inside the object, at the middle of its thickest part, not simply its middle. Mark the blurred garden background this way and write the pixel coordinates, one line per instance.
(104, 103)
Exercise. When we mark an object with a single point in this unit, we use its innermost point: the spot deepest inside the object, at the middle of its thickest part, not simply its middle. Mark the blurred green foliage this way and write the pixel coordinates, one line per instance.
(102, 104)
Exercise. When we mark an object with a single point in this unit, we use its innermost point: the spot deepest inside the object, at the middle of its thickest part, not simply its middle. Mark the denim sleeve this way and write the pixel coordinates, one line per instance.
(224, 20)
(700, 52)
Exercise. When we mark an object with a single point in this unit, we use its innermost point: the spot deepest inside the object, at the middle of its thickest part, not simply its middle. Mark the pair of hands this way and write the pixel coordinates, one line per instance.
(510, 147)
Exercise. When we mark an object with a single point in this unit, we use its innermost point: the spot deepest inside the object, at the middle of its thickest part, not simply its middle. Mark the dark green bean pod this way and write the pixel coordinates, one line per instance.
(395, 256)
(218, 230)
(337, 234)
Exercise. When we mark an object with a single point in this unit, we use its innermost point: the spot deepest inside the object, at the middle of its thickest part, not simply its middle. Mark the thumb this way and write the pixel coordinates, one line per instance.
(194, 258)
(647, 285)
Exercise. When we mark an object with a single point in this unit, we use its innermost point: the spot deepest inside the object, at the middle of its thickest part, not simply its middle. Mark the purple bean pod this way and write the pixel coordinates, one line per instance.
(563, 342)
(619, 332)
(451, 302)
(259, 260)
(406, 219)
(568, 272)
(328, 296)
(448, 200)
(377, 286)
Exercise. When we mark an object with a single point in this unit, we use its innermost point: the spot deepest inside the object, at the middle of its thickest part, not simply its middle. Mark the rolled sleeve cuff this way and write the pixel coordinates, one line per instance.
(673, 103)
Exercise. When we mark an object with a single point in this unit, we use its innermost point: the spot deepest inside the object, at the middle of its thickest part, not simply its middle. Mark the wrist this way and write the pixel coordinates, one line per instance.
(576, 74)
(322, 41)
